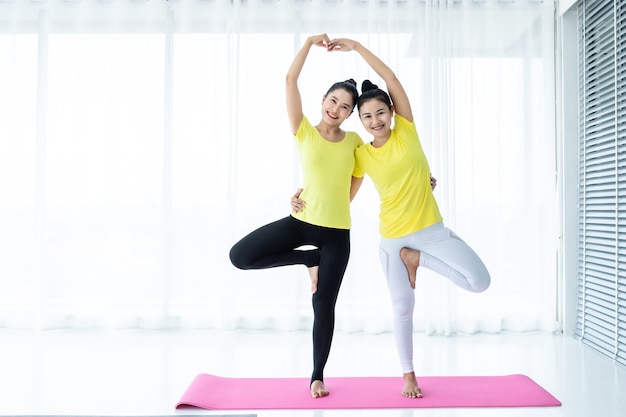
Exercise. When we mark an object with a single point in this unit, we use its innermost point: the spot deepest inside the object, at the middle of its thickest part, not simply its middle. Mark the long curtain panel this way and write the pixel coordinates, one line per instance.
(140, 140)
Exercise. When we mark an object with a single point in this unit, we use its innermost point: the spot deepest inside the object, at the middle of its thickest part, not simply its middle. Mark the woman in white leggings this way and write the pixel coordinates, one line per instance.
(411, 227)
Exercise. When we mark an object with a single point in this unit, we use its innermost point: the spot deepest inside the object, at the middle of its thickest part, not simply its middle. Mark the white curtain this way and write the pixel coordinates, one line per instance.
(140, 140)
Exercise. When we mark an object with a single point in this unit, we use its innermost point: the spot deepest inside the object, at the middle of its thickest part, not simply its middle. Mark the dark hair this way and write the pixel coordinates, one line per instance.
(370, 91)
(349, 86)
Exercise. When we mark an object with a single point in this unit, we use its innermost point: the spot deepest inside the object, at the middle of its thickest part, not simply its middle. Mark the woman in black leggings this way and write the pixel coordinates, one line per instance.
(327, 159)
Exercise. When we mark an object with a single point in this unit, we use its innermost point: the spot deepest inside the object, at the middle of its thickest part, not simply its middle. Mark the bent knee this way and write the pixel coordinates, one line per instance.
(237, 260)
(481, 285)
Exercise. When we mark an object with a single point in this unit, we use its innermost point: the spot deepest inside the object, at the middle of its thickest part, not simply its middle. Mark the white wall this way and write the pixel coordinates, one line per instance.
(565, 5)
(567, 126)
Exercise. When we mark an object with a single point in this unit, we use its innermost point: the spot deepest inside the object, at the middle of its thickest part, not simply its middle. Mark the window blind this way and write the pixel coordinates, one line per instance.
(601, 312)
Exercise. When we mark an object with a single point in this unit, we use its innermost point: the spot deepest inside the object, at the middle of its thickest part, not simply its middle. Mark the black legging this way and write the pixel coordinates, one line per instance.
(275, 245)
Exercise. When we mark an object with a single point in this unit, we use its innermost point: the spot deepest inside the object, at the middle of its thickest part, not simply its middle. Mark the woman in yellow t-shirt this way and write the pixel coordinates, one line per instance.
(327, 160)
(411, 226)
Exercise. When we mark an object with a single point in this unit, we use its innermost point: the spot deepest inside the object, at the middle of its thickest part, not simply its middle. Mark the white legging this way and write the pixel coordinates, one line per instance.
(441, 251)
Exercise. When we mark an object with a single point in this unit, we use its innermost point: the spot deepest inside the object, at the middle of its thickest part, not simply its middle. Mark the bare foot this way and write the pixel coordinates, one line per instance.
(411, 259)
(410, 389)
(313, 274)
(318, 389)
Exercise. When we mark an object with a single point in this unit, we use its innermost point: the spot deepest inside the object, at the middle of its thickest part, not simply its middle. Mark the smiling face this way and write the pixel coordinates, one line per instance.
(376, 117)
(337, 105)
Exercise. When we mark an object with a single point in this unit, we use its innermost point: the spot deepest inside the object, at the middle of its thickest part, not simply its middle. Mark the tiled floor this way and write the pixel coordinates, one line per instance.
(145, 373)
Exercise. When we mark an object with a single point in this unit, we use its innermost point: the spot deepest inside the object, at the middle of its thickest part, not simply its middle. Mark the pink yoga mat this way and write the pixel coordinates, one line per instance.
(217, 393)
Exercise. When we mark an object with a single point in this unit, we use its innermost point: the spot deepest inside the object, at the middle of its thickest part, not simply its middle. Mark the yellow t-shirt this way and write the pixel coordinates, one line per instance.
(327, 169)
(400, 172)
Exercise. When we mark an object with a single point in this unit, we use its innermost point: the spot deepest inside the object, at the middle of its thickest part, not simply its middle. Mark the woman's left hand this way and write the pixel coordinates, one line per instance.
(297, 205)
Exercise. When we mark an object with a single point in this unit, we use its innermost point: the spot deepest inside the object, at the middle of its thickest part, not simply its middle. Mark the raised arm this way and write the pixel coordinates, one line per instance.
(294, 100)
(399, 98)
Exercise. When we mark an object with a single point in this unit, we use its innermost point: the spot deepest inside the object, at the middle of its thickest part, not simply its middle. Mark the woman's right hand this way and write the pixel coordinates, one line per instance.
(297, 205)
(320, 40)
(433, 182)
(342, 44)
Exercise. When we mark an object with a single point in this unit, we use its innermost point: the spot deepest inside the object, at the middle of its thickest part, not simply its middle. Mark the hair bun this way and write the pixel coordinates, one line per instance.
(352, 82)
(367, 86)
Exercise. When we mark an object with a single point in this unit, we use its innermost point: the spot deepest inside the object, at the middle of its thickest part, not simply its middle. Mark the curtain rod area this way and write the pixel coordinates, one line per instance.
(242, 16)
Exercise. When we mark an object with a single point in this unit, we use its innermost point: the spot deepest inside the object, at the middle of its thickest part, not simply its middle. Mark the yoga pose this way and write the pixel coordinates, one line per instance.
(411, 227)
(327, 160)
